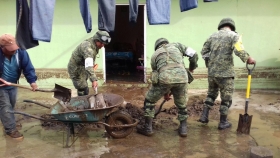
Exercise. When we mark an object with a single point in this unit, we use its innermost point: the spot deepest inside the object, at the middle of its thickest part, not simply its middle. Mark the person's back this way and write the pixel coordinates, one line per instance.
(221, 62)
(218, 52)
(169, 65)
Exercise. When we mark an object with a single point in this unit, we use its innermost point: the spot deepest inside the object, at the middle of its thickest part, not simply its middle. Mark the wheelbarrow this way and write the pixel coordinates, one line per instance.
(118, 124)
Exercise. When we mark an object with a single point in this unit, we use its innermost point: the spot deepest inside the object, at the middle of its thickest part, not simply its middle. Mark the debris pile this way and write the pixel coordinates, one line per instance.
(194, 107)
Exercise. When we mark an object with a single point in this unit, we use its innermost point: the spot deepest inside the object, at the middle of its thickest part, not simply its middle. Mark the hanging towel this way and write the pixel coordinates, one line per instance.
(23, 32)
(85, 12)
(158, 11)
(41, 14)
(133, 10)
(210, 0)
(106, 15)
(188, 5)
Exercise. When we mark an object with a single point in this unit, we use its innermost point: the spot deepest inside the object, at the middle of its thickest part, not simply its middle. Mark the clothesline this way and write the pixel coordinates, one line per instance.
(41, 14)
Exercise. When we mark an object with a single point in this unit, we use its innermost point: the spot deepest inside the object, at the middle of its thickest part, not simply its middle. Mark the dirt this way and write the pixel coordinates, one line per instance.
(134, 99)
(202, 141)
(194, 107)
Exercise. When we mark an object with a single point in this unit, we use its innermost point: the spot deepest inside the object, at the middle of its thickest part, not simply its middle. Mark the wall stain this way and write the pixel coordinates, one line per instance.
(262, 77)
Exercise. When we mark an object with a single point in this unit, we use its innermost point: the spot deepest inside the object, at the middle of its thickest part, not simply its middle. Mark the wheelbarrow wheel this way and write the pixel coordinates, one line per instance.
(119, 118)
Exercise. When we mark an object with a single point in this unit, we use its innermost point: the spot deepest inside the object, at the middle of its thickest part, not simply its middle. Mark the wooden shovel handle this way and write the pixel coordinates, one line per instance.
(20, 86)
(25, 87)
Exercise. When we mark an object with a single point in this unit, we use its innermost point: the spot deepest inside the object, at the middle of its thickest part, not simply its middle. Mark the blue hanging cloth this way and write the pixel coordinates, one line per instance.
(158, 11)
(23, 32)
(133, 10)
(186, 5)
(106, 15)
(210, 0)
(42, 19)
(85, 12)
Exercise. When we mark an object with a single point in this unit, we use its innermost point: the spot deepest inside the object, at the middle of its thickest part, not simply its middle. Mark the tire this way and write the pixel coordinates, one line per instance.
(119, 118)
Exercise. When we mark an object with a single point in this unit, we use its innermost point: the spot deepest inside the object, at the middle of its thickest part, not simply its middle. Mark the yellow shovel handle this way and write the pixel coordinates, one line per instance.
(250, 70)
(248, 87)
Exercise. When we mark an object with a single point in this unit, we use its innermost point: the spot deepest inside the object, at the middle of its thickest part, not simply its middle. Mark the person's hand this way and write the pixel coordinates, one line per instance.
(5, 83)
(95, 67)
(251, 60)
(191, 71)
(33, 86)
(167, 96)
(94, 84)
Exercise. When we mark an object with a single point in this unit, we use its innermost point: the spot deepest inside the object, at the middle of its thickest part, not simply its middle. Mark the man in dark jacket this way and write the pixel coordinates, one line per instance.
(13, 62)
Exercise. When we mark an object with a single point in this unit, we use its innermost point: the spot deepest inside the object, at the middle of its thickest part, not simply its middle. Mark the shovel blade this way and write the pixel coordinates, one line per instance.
(62, 93)
(244, 123)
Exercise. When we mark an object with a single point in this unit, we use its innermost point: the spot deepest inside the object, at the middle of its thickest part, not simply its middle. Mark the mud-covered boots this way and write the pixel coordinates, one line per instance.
(183, 128)
(204, 115)
(147, 128)
(223, 122)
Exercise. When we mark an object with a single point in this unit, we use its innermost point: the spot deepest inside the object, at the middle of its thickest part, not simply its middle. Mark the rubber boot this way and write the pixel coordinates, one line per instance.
(223, 122)
(147, 128)
(204, 115)
(183, 128)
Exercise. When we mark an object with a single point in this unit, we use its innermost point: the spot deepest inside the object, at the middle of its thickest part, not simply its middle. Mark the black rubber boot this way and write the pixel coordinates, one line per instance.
(204, 115)
(223, 122)
(147, 128)
(183, 128)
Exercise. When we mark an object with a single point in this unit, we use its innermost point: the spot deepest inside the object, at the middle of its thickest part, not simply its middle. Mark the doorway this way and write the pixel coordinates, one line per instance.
(125, 55)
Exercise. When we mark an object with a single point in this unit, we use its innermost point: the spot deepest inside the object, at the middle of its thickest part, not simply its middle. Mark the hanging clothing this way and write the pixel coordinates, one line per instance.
(106, 15)
(210, 0)
(23, 32)
(186, 5)
(158, 11)
(85, 12)
(41, 14)
(133, 10)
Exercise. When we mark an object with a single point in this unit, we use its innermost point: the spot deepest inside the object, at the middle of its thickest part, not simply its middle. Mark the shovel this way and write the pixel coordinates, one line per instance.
(244, 122)
(60, 92)
(159, 109)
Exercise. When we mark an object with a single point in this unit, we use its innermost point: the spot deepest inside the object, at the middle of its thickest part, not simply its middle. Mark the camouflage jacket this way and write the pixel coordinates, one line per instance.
(87, 49)
(220, 48)
(171, 68)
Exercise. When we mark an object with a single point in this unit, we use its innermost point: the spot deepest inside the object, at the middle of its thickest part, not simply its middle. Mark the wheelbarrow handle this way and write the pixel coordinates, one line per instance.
(136, 121)
(32, 116)
(38, 103)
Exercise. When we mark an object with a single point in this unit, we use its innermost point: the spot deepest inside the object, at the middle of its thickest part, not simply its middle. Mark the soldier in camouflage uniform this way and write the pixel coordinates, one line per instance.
(171, 78)
(218, 52)
(80, 66)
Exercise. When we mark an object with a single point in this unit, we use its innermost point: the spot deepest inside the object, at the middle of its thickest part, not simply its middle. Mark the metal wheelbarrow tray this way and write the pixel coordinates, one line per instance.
(118, 124)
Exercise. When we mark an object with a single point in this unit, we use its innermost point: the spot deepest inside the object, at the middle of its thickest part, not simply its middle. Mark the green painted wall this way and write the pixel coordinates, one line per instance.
(257, 20)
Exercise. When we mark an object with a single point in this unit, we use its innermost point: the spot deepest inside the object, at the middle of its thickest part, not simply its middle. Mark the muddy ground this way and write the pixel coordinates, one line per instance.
(202, 140)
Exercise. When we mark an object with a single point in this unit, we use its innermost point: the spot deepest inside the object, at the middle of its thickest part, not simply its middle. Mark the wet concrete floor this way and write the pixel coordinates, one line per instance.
(203, 141)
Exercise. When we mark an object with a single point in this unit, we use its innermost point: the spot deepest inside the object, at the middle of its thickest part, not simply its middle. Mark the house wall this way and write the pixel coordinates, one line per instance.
(257, 20)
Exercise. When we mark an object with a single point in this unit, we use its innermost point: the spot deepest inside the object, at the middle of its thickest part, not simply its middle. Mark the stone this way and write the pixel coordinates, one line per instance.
(260, 152)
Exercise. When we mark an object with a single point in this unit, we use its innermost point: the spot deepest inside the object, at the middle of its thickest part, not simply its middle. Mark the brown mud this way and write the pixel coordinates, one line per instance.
(46, 139)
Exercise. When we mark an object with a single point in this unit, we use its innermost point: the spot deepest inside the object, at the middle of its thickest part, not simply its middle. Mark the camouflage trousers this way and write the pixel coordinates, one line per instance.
(78, 75)
(179, 92)
(223, 85)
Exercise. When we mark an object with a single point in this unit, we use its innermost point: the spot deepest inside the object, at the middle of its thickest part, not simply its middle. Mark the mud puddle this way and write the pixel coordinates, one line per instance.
(202, 141)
